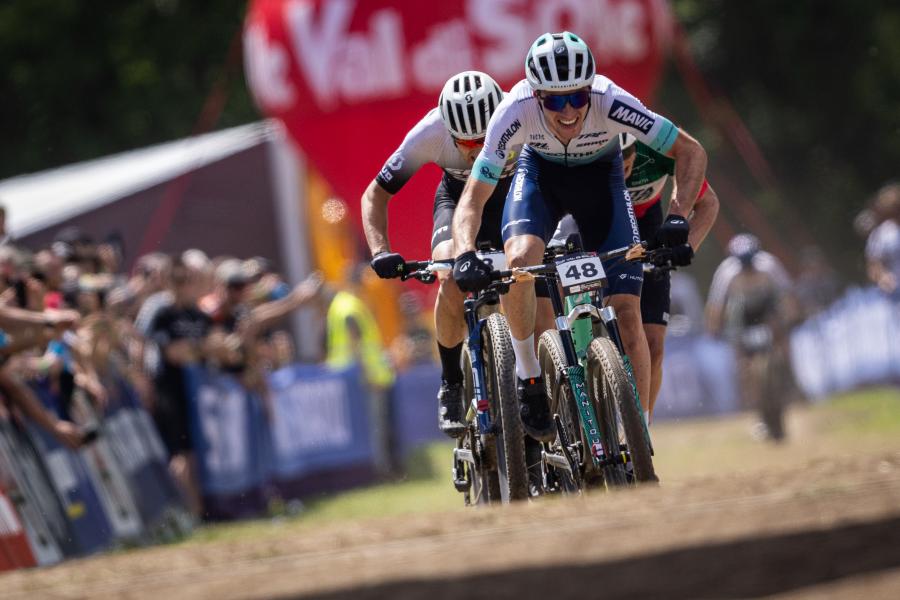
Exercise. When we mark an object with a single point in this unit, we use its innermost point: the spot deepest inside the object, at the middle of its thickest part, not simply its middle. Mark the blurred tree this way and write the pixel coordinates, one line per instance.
(85, 79)
(818, 86)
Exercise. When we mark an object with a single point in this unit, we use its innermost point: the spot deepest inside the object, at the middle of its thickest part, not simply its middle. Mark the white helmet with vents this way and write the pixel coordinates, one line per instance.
(467, 102)
(559, 62)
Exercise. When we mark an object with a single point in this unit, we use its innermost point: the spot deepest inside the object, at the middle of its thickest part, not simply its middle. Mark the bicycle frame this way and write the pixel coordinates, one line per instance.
(583, 333)
(475, 325)
(575, 356)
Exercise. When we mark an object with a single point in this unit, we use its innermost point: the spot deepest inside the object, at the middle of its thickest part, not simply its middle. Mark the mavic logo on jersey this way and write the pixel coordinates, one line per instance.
(507, 135)
(626, 115)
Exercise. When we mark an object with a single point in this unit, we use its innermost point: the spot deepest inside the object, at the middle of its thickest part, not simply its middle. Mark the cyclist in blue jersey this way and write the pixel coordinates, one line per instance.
(451, 136)
(570, 120)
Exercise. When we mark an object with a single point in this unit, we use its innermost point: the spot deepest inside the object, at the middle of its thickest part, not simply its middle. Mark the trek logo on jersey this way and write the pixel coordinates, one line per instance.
(627, 115)
(486, 173)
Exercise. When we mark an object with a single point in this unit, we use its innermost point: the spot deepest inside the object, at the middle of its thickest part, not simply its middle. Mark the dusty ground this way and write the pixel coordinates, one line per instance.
(805, 520)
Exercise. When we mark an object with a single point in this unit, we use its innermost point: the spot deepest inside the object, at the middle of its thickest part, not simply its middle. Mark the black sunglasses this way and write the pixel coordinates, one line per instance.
(558, 102)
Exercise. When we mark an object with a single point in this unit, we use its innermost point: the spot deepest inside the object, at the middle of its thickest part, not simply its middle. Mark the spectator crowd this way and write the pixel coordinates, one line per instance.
(72, 320)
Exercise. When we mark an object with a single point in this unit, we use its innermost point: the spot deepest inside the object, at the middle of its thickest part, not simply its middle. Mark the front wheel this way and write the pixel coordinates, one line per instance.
(509, 442)
(481, 474)
(610, 386)
(570, 441)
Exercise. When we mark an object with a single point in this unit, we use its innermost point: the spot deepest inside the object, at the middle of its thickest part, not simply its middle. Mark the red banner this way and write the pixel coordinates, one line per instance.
(349, 78)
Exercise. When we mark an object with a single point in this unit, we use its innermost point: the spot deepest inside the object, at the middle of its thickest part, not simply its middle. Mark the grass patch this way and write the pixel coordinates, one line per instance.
(869, 413)
(863, 421)
(427, 487)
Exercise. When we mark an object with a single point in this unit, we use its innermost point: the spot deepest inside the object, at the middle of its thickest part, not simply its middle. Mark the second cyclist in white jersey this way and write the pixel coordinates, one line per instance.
(450, 136)
(570, 121)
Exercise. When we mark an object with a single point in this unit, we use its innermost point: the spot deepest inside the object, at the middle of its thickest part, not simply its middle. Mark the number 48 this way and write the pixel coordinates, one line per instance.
(587, 270)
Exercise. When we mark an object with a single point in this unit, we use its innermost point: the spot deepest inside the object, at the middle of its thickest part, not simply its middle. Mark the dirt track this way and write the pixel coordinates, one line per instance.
(815, 527)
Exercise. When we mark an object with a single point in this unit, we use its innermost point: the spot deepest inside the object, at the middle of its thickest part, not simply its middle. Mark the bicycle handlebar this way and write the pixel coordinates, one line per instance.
(425, 270)
(659, 257)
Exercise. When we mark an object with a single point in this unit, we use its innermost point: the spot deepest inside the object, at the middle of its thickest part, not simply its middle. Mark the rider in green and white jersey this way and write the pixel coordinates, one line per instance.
(646, 174)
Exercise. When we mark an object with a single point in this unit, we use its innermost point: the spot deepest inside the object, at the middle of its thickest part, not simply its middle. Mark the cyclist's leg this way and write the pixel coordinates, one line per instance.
(545, 319)
(449, 320)
(656, 340)
(655, 302)
(449, 323)
(527, 223)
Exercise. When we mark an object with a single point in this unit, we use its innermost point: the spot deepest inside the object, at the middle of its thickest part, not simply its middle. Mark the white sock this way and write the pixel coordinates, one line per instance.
(527, 365)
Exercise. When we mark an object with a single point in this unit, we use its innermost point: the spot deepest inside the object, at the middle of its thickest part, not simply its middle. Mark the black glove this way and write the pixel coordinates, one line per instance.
(682, 255)
(673, 232)
(470, 272)
(388, 264)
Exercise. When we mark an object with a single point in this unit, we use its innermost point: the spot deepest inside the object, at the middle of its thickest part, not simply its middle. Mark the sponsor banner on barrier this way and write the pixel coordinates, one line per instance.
(319, 420)
(699, 378)
(29, 488)
(225, 430)
(415, 408)
(133, 439)
(70, 476)
(856, 342)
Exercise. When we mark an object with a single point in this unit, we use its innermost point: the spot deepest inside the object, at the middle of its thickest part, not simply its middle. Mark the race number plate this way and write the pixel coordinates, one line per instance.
(580, 273)
(495, 259)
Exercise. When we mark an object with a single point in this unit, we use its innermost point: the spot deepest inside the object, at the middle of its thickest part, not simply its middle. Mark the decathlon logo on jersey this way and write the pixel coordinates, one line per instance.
(627, 115)
(507, 135)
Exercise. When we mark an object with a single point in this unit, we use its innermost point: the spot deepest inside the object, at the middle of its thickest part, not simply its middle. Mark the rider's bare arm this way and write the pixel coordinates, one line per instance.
(690, 170)
(706, 209)
(374, 213)
(467, 217)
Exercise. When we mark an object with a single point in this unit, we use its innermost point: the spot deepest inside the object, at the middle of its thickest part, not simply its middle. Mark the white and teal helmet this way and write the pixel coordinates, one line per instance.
(467, 102)
(559, 62)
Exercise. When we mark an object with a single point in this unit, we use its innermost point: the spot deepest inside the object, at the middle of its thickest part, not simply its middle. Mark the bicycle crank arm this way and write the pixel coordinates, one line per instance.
(557, 461)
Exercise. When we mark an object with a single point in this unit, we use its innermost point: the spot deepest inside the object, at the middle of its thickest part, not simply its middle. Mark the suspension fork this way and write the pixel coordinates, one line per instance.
(480, 404)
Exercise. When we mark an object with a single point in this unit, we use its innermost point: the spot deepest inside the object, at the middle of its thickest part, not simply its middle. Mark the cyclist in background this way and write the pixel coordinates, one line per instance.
(750, 305)
(646, 173)
(450, 136)
(570, 121)
(883, 243)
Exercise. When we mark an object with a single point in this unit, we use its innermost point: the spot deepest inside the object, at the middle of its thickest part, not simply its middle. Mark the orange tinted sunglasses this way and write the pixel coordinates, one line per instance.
(469, 143)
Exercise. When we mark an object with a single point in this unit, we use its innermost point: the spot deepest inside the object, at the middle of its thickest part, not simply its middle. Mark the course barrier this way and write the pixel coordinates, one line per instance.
(855, 343)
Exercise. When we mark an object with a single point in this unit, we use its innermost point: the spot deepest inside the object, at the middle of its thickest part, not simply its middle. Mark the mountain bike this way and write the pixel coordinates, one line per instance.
(602, 436)
(489, 459)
